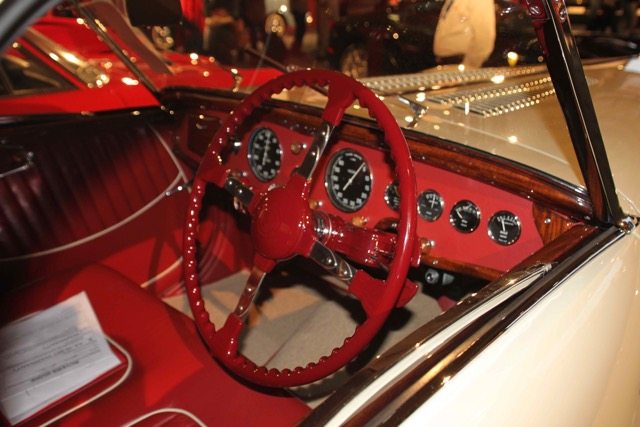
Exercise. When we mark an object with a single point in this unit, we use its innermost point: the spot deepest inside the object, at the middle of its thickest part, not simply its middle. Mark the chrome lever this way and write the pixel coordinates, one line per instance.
(19, 161)
(181, 187)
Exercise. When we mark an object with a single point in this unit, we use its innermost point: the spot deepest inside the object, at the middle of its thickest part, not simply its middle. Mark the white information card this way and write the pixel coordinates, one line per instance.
(46, 356)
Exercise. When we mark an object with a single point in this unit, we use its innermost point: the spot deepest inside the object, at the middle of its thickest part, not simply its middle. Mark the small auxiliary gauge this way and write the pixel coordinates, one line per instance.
(392, 196)
(465, 216)
(430, 205)
(504, 228)
(265, 154)
(348, 180)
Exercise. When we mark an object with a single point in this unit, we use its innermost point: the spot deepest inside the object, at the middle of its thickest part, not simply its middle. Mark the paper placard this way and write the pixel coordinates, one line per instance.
(50, 354)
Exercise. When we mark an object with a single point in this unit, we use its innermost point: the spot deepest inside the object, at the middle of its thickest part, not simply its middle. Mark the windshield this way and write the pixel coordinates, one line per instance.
(361, 38)
(464, 71)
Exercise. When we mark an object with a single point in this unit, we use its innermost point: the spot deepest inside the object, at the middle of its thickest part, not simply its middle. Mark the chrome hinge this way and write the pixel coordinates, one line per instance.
(628, 224)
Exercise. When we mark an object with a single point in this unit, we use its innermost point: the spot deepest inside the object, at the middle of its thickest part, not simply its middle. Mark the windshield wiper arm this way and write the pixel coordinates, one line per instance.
(417, 110)
(90, 19)
(282, 67)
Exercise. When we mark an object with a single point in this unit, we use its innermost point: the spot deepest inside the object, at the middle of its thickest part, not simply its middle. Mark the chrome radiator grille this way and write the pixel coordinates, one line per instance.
(498, 100)
(407, 83)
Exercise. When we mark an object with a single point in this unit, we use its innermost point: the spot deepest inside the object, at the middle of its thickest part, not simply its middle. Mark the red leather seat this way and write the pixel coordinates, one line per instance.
(170, 369)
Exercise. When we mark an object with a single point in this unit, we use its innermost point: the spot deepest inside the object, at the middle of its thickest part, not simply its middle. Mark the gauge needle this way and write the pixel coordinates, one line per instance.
(503, 227)
(264, 154)
(458, 213)
(350, 181)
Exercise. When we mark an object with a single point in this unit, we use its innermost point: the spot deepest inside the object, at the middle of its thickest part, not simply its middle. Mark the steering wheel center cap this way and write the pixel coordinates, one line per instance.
(279, 224)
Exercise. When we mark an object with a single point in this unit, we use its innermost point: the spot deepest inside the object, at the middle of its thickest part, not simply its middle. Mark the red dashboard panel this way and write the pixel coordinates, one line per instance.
(476, 247)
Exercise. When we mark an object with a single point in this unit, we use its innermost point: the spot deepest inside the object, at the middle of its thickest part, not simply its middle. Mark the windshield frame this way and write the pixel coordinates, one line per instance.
(551, 22)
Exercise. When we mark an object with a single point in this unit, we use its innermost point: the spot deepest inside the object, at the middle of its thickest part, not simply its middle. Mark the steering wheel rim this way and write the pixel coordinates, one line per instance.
(378, 302)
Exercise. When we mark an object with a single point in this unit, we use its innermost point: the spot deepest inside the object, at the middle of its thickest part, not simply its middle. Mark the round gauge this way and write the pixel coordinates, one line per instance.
(465, 216)
(392, 196)
(430, 205)
(348, 180)
(265, 154)
(504, 228)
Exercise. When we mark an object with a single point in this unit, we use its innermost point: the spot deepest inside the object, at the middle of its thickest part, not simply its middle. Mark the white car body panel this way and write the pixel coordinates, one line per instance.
(580, 342)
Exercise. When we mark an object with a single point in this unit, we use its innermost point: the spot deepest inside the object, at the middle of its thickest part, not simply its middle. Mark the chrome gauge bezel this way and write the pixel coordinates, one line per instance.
(504, 228)
(465, 216)
(436, 210)
(362, 180)
(257, 161)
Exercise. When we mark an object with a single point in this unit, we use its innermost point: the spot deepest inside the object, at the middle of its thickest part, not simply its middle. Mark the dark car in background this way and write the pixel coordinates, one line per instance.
(383, 38)
(390, 39)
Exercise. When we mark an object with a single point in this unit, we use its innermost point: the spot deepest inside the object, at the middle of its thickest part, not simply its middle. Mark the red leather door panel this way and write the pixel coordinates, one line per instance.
(91, 180)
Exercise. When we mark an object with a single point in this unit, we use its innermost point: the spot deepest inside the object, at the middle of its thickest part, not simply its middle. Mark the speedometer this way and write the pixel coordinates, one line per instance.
(265, 154)
(348, 180)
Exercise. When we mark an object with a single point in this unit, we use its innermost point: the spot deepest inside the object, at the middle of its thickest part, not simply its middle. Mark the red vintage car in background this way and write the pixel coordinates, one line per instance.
(59, 64)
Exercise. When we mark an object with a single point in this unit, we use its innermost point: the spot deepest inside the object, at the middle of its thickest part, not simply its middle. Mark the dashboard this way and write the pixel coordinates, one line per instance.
(461, 220)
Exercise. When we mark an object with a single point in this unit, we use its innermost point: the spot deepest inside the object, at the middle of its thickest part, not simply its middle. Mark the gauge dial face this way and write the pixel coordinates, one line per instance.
(348, 180)
(465, 216)
(430, 205)
(265, 154)
(392, 196)
(504, 228)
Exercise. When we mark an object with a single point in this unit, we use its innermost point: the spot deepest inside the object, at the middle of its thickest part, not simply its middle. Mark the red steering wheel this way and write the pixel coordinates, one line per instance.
(283, 225)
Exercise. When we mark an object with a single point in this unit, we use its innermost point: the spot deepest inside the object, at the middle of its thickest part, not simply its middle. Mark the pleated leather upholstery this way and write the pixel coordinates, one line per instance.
(87, 178)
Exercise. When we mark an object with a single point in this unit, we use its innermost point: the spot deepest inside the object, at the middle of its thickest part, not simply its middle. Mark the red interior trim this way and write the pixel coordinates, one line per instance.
(171, 367)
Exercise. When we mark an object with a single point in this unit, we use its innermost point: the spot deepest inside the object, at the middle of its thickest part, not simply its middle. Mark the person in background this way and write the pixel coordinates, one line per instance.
(629, 17)
(602, 16)
(327, 13)
(466, 28)
(193, 11)
(483, 21)
(299, 12)
(253, 13)
(222, 30)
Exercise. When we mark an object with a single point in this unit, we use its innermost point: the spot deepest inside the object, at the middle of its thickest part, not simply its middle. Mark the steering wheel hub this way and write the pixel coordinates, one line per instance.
(280, 223)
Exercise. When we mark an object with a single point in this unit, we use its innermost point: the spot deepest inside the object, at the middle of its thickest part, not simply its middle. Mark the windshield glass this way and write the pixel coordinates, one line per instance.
(445, 67)
(361, 38)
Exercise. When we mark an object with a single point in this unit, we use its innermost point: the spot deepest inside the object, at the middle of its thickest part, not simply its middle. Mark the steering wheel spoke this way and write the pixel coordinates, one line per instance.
(368, 290)
(259, 271)
(241, 193)
(371, 293)
(341, 96)
(225, 341)
(366, 246)
(333, 263)
(320, 141)
(212, 168)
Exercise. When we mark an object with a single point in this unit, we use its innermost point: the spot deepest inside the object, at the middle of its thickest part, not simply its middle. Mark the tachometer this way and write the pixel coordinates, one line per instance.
(348, 180)
(265, 154)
